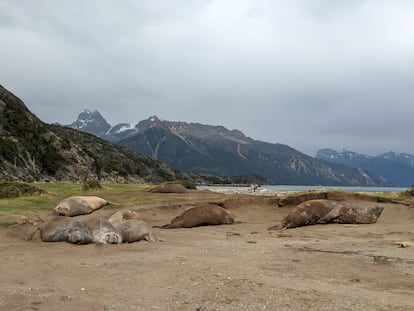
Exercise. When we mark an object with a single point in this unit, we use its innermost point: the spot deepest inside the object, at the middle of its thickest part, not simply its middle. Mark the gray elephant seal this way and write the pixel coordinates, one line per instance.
(327, 211)
(64, 229)
(348, 214)
(131, 227)
(94, 230)
(201, 215)
(102, 231)
(79, 205)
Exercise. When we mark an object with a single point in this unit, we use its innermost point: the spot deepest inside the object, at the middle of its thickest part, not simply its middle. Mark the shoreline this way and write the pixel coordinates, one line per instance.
(281, 190)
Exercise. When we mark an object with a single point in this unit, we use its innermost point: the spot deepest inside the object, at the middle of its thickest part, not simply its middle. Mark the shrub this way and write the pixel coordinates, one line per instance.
(408, 193)
(11, 189)
(91, 185)
(186, 183)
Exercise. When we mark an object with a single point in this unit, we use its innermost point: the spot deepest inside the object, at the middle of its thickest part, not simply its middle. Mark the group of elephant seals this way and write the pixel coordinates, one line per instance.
(131, 227)
(79, 205)
(94, 230)
(201, 215)
(123, 226)
(327, 211)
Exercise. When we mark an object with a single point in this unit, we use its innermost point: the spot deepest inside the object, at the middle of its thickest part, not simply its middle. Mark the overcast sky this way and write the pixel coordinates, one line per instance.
(307, 73)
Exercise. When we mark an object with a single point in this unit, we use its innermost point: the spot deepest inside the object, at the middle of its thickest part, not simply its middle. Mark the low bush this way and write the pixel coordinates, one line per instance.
(91, 185)
(408, 193)
(186, 183)
(11, 189)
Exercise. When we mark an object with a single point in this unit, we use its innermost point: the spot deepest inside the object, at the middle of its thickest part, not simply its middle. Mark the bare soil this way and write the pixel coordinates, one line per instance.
(229, 267)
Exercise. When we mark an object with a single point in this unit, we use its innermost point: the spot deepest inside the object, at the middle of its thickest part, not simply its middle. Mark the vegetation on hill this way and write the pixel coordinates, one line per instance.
(31, 150)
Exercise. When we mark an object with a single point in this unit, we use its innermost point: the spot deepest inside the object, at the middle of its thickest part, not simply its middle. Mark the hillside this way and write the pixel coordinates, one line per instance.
(398, 168)
(215, 150)
(31, 150)
(210, 150)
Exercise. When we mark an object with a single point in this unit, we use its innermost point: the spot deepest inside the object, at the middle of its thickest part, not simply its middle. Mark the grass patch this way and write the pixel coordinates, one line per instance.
(52, 193)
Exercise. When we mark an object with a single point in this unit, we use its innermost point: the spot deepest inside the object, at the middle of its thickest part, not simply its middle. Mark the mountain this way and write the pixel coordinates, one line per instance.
(94, 123)
(215, 150)
(31, 150)
(91, 122)
(397, 168)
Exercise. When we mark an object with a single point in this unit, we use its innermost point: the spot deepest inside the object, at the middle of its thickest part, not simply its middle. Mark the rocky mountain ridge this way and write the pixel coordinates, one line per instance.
(31, 150)
(215, 150)
(398, 168)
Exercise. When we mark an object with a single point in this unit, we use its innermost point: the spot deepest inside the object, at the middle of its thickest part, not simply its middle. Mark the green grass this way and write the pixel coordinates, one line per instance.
(55, 192)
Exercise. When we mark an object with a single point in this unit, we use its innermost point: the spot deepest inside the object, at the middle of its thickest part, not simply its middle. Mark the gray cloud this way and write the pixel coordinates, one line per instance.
(309, 74)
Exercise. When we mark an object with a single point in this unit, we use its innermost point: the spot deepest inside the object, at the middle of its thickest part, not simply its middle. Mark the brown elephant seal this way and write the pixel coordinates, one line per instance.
(102, 231)
(169, 188)
(201, 215)
(346, 213)
(79, 205)
(306, 213)
(327, 211)
(131, 227)
(65, 229)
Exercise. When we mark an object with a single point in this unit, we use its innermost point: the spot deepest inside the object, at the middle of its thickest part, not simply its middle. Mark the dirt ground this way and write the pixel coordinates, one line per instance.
(229, 267)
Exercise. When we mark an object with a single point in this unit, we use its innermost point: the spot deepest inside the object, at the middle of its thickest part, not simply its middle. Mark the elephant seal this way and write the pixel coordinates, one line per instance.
(346, 213)
(314, 212)
(102, 231)
(306, 213)
(201, 215)
(79, 205)
(169, 188)
(131, 227)
(65, 229)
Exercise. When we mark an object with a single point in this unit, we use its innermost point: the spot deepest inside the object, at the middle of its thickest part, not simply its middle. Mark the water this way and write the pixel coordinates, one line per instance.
(279, 189)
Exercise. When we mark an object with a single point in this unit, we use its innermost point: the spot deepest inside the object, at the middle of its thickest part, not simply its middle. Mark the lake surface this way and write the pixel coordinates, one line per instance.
(290, 189)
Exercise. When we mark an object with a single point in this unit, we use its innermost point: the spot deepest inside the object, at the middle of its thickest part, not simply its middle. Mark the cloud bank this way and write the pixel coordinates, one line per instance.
(309, 74)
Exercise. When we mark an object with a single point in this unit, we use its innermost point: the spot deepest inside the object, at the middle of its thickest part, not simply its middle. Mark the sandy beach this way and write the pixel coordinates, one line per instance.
(229, 267)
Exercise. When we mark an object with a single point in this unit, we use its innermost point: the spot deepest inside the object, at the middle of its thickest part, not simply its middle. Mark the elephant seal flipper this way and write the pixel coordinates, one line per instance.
(277, 227)
(333, 214)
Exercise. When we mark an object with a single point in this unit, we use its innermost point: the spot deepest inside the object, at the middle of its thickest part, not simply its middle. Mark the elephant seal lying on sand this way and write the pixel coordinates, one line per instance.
(94, 230)
(65, 229)
(102, 231)
(348, 214)
(326, 211)
(79, 205)
(131, 227)
(169, 188)
(201, 215)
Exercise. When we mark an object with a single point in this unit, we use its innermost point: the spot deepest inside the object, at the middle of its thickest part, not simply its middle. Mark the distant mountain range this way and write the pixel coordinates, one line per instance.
(31, 150)
(397, 168)
(215, 150)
